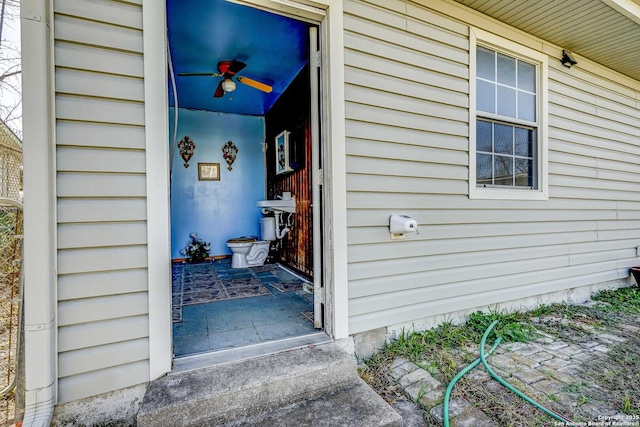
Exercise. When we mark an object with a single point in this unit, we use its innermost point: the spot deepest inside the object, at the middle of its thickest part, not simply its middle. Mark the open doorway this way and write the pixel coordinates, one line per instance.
(242, 127)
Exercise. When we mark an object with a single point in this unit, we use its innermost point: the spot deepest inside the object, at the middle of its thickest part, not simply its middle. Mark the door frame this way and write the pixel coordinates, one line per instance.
(329, 15)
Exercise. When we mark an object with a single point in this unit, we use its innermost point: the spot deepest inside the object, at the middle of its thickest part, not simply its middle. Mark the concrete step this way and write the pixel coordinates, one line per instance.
(238, 390)
(355, 406)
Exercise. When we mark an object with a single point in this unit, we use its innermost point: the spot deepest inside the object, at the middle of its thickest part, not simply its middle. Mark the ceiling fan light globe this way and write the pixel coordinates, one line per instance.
(228, 85)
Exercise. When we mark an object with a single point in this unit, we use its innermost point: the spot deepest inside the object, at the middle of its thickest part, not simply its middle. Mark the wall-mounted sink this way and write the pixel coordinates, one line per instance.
(278, 205)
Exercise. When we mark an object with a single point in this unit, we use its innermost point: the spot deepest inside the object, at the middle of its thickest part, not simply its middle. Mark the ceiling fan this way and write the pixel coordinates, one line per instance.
(228, 70)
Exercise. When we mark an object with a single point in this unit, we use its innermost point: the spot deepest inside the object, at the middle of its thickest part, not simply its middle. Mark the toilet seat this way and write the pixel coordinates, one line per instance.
(245, 239)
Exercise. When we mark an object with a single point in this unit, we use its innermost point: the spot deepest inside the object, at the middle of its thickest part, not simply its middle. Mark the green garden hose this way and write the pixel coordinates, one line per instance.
(483, 359)
(462, 373)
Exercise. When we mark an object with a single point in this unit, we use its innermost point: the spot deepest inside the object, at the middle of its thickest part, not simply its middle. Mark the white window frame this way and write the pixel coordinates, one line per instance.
(508, 47)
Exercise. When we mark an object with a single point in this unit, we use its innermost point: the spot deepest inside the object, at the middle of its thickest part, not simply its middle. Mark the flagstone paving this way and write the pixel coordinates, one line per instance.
(554, 371)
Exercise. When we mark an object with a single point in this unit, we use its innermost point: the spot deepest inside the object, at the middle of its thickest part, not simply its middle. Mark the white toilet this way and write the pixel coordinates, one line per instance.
(248, 251)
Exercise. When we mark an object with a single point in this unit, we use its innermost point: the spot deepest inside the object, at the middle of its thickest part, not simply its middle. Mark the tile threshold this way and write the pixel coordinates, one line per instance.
(192, 362)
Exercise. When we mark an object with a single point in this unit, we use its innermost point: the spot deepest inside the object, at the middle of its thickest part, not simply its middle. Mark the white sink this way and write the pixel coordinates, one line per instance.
(278, 205)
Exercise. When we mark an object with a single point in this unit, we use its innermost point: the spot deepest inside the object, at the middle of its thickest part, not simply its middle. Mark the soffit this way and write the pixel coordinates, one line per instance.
(589, 28)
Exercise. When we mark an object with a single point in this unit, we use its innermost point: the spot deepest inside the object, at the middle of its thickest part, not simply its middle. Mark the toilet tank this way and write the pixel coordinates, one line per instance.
(268, 228)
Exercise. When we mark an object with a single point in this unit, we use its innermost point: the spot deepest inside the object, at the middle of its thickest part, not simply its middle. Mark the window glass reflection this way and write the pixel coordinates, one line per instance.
(503, 170)
(484, 170)
(485, 63)
(506, 70)
(484, 136)
(503, 139)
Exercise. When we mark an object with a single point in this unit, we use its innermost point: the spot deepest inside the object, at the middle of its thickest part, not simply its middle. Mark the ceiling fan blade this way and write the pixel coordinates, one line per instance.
(201, 74)
(219, 93)
(236, 66)
(255, 84)
(230, 68)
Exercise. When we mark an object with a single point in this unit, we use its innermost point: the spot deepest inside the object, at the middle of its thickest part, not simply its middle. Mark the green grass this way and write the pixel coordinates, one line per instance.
(624, 300)
(511, 327)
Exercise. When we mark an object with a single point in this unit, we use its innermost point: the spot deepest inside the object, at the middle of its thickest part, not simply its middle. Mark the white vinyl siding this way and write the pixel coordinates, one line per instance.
(101, 197)
(407, 106)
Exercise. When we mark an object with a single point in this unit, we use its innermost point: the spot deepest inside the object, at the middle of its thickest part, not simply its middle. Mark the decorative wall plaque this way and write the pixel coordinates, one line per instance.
(229, 152)
(186, 147)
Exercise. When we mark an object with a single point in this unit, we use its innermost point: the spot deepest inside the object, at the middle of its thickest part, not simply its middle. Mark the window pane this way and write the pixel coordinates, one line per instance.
(506, 136)
(483, 169)
(523, 142)
(506, 70)
(483, 136)
(526, 106)
(503, 167)
(526, 76)
(503, 139)
(506, 101)
(524, 173)
(485, 63)
(486, 98)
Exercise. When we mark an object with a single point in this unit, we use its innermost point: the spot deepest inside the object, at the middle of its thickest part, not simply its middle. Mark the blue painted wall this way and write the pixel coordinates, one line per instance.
(217, 210)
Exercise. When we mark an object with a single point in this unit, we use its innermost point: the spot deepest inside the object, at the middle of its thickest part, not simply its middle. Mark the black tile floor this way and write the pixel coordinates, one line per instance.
(241, 320)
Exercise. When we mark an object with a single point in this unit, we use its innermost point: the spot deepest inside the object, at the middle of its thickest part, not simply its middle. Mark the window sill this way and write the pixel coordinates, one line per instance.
(478, 193)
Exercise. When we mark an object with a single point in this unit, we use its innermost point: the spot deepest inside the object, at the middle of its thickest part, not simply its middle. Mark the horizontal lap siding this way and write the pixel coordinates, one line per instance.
(407, 100)
(101, 187)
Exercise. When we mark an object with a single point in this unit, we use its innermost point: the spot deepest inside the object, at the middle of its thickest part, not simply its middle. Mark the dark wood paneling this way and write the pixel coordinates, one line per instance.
(292, 113)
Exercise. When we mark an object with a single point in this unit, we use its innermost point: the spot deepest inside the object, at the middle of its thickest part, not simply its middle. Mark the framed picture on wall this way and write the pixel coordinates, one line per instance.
(282, 153)
(209, 171)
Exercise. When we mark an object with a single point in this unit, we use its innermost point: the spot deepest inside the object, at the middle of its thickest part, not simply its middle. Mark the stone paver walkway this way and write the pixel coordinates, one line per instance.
(549, 366)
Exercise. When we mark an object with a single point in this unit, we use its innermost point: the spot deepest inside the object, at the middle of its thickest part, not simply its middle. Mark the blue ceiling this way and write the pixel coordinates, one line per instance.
(203, 32)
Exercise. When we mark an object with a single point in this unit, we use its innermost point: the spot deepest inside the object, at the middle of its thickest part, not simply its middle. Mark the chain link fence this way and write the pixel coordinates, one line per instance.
(10, 164)
(10, 174)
